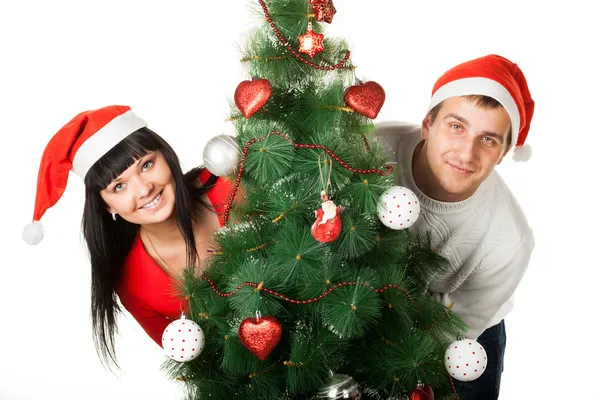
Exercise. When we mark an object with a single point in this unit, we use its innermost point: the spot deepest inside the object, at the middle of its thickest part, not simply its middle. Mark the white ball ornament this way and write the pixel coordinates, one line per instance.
(465, 360)
(183, 340)
(221, 155)
(398, 208)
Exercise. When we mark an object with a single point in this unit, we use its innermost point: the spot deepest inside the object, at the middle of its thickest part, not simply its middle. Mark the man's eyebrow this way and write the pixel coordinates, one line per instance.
(458, 117)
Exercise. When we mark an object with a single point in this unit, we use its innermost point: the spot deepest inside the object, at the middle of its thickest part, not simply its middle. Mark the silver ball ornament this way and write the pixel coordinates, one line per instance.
(340, 386)
(221, 155)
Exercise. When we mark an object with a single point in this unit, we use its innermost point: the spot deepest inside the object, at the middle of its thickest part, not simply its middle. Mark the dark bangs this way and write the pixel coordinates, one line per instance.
(121, 157)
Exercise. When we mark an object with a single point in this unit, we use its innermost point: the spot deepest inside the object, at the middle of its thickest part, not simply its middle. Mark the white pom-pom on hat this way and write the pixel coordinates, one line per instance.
(33, 233)
(522, 153)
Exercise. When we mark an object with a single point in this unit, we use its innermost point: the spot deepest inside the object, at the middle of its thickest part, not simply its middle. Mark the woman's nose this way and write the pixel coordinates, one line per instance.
(144, 187)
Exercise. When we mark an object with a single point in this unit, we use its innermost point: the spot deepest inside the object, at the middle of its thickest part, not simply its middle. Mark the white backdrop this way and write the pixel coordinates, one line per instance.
(176, 64)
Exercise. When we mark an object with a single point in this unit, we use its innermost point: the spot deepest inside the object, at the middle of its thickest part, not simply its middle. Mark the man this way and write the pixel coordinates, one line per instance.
(479, 110)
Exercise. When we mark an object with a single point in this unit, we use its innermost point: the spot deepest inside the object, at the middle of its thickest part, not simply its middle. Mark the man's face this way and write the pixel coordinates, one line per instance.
(464, 144)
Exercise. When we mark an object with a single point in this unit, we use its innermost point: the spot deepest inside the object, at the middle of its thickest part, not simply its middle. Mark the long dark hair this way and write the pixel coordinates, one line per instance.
(109, 242)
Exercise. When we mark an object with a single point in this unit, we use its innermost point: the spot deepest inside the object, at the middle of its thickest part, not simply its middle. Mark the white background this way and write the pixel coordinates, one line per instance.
(176, 64)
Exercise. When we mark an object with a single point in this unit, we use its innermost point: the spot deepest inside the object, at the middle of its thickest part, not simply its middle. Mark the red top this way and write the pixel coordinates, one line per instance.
(145, 290)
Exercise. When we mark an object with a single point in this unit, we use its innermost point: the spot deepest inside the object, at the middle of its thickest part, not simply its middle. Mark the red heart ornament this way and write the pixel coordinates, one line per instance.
(260, 336)
(422, 393)
(250, 96)
(365, 98)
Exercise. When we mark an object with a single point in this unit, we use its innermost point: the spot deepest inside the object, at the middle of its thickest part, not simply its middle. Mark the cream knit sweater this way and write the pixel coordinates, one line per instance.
(486, 238)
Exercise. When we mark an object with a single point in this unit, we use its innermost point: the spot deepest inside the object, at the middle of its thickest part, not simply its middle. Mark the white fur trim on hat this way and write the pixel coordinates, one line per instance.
(103, 140)
(485, 87)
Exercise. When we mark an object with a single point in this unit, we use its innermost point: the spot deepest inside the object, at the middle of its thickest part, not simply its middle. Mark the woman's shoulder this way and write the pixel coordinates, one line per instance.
(218, 192)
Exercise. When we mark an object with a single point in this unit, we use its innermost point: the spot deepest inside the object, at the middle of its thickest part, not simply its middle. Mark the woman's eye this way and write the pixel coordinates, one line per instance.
(118, 187)
(147, 165)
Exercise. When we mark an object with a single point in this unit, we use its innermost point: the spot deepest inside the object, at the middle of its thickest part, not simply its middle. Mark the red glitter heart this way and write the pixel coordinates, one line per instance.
(250, 96)
(366, 98)
(260, 336)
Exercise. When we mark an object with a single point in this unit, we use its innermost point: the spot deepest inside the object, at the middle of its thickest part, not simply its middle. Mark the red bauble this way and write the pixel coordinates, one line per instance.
(311, 43)
(324, 11)
(250, 96)
(260, 335)
(328, 225)
(365, 98)
(424, 392)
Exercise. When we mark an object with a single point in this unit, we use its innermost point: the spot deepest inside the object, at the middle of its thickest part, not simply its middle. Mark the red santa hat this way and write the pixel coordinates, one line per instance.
(76, 147)
(496, 77)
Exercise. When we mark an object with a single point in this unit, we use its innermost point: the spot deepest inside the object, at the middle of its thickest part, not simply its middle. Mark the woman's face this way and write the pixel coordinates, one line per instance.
(144, 193)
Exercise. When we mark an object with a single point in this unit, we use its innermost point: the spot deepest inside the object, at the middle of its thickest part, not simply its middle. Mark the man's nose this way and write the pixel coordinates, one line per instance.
(467, 150)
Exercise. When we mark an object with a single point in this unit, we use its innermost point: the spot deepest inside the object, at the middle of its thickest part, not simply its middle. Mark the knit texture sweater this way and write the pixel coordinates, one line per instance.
(486, 238)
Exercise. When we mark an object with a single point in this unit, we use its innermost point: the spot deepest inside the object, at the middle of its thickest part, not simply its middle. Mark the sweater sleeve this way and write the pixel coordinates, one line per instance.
(489, 287)
(153, 322)
(390, 133)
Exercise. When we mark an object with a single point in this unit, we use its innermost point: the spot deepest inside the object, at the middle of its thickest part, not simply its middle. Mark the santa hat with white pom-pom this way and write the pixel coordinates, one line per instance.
(76, 147)
(496, 77)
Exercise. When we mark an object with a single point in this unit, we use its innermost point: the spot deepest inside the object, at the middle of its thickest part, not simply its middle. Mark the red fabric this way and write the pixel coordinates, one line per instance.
(507, 74)
(57, 159)
(146, 291)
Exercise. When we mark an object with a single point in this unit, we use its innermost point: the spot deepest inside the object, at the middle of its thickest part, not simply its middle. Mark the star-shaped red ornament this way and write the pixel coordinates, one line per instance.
(324, 11)
(311, 43)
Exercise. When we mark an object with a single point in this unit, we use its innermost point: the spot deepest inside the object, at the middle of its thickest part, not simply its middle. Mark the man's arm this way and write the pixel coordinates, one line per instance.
(482, 295)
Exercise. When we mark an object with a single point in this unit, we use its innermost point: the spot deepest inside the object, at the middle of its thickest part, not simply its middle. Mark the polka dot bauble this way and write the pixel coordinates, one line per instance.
(398, 208)
(183, 340)
(221, 155)
(465, 360)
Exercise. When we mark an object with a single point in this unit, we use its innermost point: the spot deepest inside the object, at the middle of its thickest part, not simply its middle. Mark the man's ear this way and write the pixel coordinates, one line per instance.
(503, 155)
(425, 125)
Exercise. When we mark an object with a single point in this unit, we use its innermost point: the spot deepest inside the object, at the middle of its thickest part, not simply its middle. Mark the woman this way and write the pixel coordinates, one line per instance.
(144, 221)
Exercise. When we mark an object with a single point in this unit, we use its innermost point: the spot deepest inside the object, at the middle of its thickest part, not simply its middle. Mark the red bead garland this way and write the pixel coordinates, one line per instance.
(294, 52)
(298, 146)
(453, 387)
(309, 301)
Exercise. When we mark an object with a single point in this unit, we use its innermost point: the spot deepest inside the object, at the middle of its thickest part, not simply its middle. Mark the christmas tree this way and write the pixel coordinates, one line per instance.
(317, 286)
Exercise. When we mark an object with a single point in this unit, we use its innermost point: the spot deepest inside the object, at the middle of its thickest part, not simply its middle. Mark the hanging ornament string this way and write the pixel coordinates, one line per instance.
(294, 52)
(325, 186)
(233, 194)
